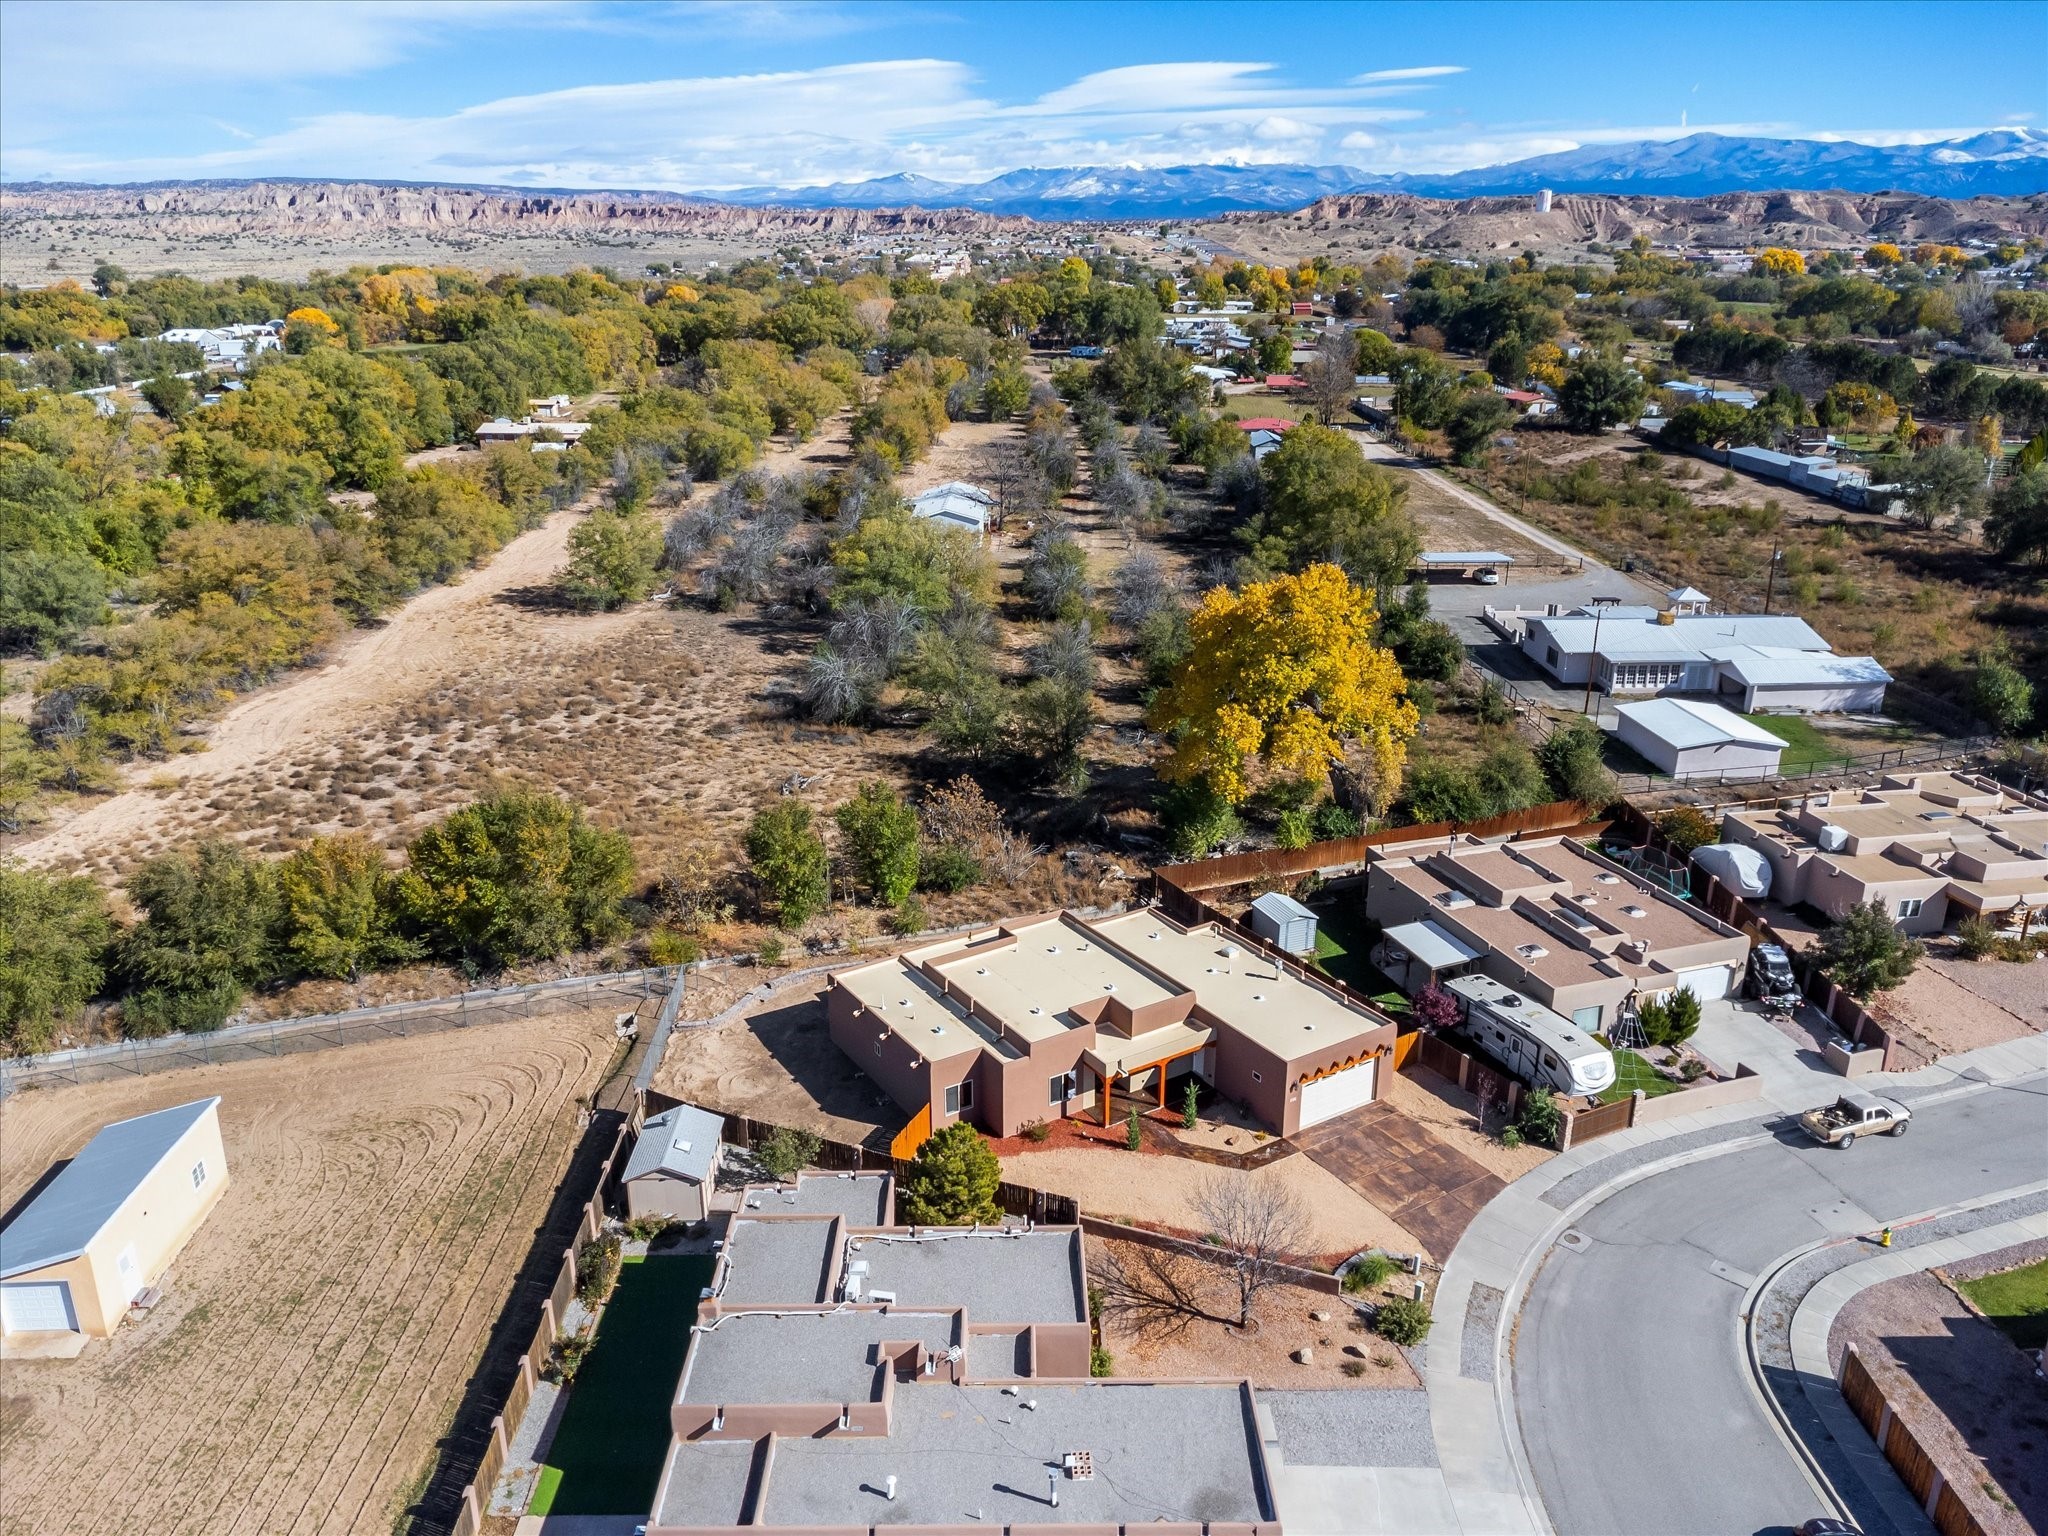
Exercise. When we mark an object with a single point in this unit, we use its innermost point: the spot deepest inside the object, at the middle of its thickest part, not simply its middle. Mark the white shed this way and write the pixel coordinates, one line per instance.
(956, 504)
(1280, 919)
(1683, 738)
(673, 1168)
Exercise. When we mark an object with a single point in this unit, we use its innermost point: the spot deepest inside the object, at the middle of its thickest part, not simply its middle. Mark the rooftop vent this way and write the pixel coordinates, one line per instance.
(1078, 1465)
(1937, 816)
(981, 970)
(1607, 879)
(1452, 899)
(1531, 951)
(1511, 1000)
(1038, 1010)
(1109, 986)
(1081, 946)
(1587, 899)
(1154, 934)
(1052, 949)
(1633, 911)
(1258, 997)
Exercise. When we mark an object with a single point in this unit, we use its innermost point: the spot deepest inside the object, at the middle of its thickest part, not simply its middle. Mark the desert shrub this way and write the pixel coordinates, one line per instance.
(769, 952)
(1510, 1137)
(1100, 1361)
(1333, 821)
(948, 868)
(54, 932)
(1368, 1273)
(880, 834)
(1541, 1118)
(1403, 1320)
(597, 1268)
(1037, 1131)
(1134, 1130)
(207, 935)
(1976, 938)
(1196, 819)
(1295, 827)
(1354, 1368)
(785, 1152)
(909, 917)
(671, 946)
(1686, 827)
(644, 1229)
(565, 1357)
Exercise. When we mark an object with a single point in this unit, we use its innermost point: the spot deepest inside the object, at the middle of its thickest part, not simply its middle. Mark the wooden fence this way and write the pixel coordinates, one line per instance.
(1916, 1469)
(1269, 864)
(476, 1496)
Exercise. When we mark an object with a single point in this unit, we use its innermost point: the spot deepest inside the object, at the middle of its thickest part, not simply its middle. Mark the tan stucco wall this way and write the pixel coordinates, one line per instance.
(158, 1219)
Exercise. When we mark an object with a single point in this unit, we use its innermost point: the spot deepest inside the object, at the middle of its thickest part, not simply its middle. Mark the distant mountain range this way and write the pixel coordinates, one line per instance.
(2006, 163)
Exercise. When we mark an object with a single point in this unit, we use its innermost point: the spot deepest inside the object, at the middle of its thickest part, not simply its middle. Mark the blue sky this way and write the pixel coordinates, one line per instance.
(715, 95)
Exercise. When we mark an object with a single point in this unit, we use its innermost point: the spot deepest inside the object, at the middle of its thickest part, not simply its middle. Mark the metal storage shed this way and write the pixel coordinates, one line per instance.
(674, 1165)
(1284, 921)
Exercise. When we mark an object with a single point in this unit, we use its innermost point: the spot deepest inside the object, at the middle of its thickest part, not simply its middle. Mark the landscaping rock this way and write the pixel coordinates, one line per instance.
(1304, 1356)
(1320, 1315)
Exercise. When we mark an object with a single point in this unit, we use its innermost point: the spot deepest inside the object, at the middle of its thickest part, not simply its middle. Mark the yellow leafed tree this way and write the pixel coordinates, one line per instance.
(319, 319)
(1776, 261)
(1286, 672)
(1883, 254)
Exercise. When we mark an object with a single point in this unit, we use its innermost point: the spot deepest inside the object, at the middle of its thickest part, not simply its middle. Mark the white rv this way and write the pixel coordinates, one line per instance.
(1542, 1048)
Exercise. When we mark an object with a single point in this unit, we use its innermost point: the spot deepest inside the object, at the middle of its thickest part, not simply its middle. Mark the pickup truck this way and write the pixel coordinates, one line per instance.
(1853, 1115)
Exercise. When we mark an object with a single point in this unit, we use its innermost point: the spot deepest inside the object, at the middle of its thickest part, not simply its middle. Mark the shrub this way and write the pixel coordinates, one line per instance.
(565, 1357)
(784, 1153)
(1354, 1367)
(952, 1180)
(1368, 1273)
(1295, 828)
(948, 869)
(1100, 1361)
(770, 950)
(1196, 819)
(1510, 1137)
(1976, 938)
(1190, 1102)
(1134, 1130)
(644, 1229)
(880, 833)
(1541, 1119)
(597, 1268)
(1037, 1131)
(1866, 953)
(1686, 828)
(1333, 821)
(669, 946)
(1403, 1320)
(909, 917)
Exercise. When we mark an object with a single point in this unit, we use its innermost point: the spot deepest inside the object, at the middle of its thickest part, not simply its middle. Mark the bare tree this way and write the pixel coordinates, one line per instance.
(1156, 1291)
(880, 631)
(1065, 653)
(1143, 585)
(1259, 1224)
(1331, 375)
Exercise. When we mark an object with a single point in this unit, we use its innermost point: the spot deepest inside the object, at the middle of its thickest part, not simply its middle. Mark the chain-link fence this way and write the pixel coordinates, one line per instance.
(624, 990)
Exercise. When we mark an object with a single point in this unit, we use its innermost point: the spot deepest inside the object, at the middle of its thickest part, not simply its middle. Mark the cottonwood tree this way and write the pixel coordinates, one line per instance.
(1322, 501)
(1331, 375)
(1285, 673)
(789, 861)
(340, 909)
(1261, 1227)
(54, 933)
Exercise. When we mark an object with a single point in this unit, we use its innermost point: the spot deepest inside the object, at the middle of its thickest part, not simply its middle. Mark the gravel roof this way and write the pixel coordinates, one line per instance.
(802, 1357)
(1000, 1276)
(786, 1261)
(862, 1198)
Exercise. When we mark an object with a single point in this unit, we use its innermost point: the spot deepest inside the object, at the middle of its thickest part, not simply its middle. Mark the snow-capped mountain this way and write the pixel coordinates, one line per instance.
(2006, 162)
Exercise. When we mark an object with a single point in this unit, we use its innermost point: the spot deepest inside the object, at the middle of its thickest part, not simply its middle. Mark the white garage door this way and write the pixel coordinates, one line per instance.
(42, 1307)
(1332, 1095)
(1708, 982)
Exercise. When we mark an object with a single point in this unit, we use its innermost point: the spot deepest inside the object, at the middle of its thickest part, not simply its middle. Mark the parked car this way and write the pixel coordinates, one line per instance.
(1827, 1525)
(1770, 976)
(1855, 1114)
(1489, 578)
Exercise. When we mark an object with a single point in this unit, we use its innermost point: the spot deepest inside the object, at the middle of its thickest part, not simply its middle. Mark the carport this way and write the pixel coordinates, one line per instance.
(1465, 562)
(1416, 954)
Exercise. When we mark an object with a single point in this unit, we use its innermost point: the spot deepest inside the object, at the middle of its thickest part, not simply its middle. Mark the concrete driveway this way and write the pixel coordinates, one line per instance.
(1394, 1162)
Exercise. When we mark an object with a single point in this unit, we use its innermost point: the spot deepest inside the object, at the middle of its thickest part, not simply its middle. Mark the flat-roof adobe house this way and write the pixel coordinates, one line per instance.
(1552, 919)
(1031, 1020)
(848, 1378)
(1933, 848)
(107, 1227)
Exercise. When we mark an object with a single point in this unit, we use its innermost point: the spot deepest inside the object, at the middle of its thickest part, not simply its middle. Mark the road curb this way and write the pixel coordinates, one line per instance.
(1816, 1379)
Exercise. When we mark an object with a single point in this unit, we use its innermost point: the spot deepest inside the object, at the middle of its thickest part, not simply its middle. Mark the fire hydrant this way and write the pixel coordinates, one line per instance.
(1884, 1238)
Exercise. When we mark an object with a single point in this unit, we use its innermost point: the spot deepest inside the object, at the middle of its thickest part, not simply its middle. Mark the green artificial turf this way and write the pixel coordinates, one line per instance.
(1341, 949)
(1632, 1072)
(607, 1454)
(2017, 1301)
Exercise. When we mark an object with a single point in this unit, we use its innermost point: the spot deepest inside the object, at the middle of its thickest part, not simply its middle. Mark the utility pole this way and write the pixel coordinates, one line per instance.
(1771, 580)
(1593, 660)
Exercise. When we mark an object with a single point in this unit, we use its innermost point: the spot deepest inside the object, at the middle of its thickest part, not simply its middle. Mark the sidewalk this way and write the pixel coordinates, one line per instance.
(1468, 1371)
(1814, 1321)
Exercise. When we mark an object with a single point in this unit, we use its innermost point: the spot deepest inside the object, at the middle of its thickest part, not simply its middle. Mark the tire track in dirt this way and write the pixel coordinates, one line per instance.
(321, 1345)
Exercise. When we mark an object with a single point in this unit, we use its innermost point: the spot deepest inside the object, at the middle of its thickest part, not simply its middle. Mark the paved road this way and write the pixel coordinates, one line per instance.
(1635, 1402)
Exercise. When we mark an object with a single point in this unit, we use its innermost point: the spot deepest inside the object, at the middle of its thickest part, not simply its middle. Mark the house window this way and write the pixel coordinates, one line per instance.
(1909, 906)
(1064, 1086)
(198, 1174)
(878, 1047)
(1551, 652)
(1257, 1078)
(959, 1096)
(1587, 1019)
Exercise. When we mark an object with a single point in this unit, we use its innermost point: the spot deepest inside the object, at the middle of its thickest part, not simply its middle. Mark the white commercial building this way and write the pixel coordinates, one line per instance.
(1686, 738)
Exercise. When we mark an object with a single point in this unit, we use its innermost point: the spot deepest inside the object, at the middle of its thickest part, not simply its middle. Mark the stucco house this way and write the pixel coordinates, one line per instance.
(673, 1168)
(109, 1225)
(1551, 918)
(1044, 1017)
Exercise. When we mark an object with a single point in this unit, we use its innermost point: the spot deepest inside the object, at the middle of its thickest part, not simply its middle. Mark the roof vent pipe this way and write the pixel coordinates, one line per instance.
(889, 1488)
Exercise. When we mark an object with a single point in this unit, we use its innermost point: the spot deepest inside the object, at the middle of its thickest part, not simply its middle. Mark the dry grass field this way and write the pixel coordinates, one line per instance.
(318, 1331)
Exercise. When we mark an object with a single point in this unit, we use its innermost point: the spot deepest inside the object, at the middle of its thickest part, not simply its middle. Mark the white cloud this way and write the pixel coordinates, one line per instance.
(1417, 72)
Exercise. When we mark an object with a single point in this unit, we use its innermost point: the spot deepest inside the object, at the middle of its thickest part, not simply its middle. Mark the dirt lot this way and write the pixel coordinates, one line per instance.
(318, 1331)
(1150, 1342)
(1942, 1007)
(2019, 987)
(1968, 1393)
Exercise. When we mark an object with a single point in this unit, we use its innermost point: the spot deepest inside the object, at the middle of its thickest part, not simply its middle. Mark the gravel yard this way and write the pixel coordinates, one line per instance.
(1938, 1015)
(1452, 1116)
(2019, 987)
(1159, 1190)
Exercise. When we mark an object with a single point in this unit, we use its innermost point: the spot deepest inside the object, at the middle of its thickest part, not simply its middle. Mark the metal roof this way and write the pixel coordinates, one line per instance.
(682, 1141)
(1709, 634)
(1685, 723)
(956, 503)
(1466, 557)
(63, 1220)
(1431, 945)
(1768, 665)
(1281, 907)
